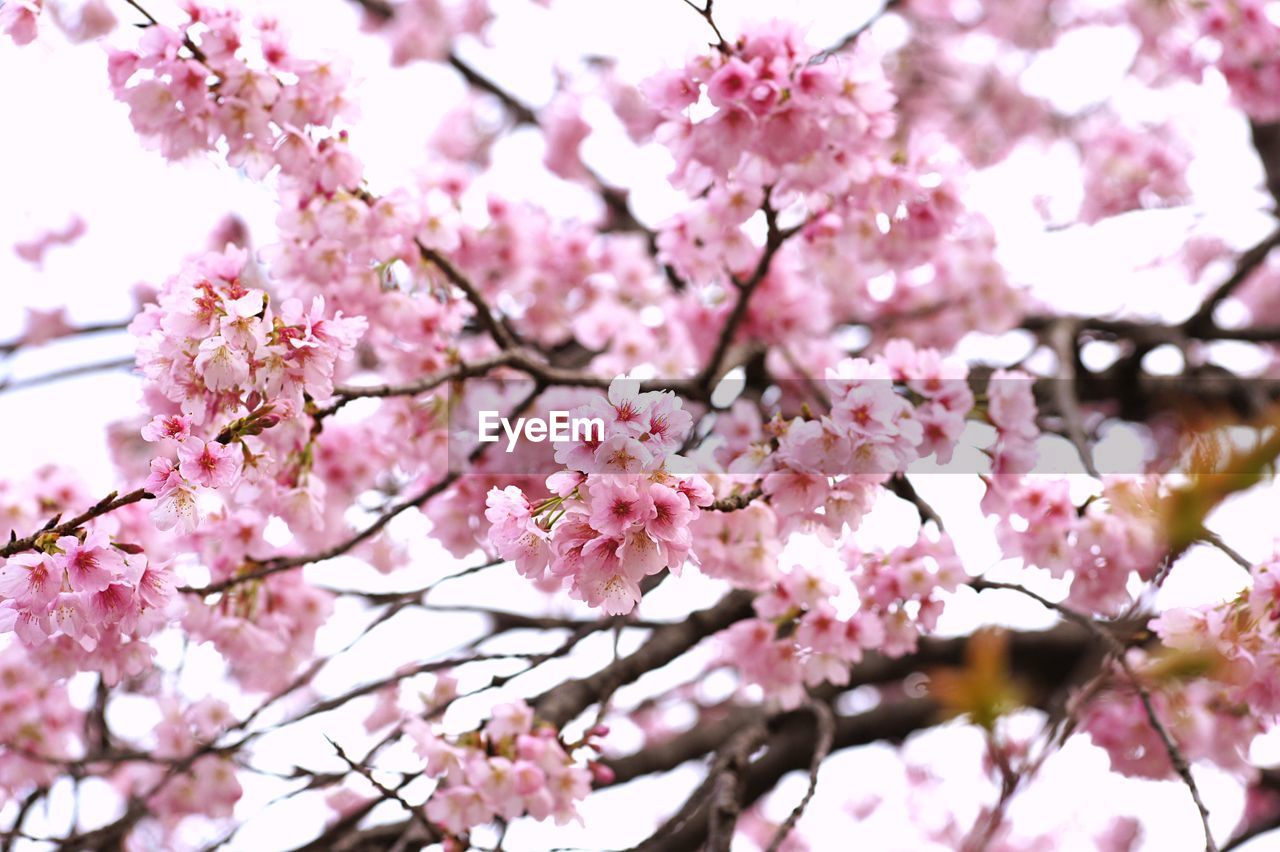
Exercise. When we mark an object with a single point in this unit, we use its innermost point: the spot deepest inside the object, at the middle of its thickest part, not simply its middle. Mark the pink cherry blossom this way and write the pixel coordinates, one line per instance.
(91, 565)
(208, 463)
(18, 20)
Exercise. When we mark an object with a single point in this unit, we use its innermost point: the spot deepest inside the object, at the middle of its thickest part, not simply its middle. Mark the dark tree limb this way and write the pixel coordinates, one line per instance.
(564, 702)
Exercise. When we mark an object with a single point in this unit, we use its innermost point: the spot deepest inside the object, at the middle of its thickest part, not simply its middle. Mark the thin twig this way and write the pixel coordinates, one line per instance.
(267, 567)
(1117, 650)
(79, 331)
(826, 737)
(367, 773)
(852, 36)
(484, 314)
(186, 41)
(1215, 540)
(705, 13)
(9, 385)
(775, 237)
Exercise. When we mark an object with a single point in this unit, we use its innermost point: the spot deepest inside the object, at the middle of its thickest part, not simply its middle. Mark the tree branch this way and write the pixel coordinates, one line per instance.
(54, 529)
(1202, 320)
(562, 703)
(78, 370)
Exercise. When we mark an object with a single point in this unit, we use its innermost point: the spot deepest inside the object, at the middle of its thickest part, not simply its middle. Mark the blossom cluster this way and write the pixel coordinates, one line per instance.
(779, 114)
(1131, 168)
(197, 86)
(619, 513)
(1213, 684)
(1248, 35)
(90, 590)
(39, 724)
(1011, 408)
(212, 344)
(83, 21)
(222, 365)
(253, 462)
(799, 639)
(885, 413)
(265, 630)
(977, 105)
(1098, 546)
(424, 30)
(43, 326)
(567, 281)
(511, 767)
(209, 787)
(741, 547)
(904, 587)
(866, 203)
(211, 85)
(1239, 38)
(902, 216)
(20, 20)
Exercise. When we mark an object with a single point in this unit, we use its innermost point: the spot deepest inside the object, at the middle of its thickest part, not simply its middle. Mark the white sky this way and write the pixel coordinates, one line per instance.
(66, 147)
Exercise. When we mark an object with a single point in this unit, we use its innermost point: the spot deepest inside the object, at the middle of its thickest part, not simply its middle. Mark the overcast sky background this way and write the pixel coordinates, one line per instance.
(67, 148)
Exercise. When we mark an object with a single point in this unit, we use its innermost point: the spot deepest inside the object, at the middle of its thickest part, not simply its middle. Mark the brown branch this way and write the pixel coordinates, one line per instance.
(484, 314)
(562, 703)
(1266, 141)
(736, 501)
(901, 487)
(775, 238)
(1047, 656)
(1213, 539)
(520, 112)
(1043, 657)
(725, 748)
(24, 808)
(725, 780)
(1252, 832)
(414, 595)
(794, 739)
(1249, 261)
(989, 821)
(267, 567)
(344, 394)
(373, 686)
(705, 12)
(1062, 337)
(380, 9)
(53, 529)
(365, 772)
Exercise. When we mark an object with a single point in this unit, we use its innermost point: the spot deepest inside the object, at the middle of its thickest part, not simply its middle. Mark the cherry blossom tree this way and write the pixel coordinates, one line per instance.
(810, 383)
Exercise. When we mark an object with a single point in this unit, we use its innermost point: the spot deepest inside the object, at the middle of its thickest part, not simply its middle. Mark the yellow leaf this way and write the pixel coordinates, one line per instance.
(982, 688)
